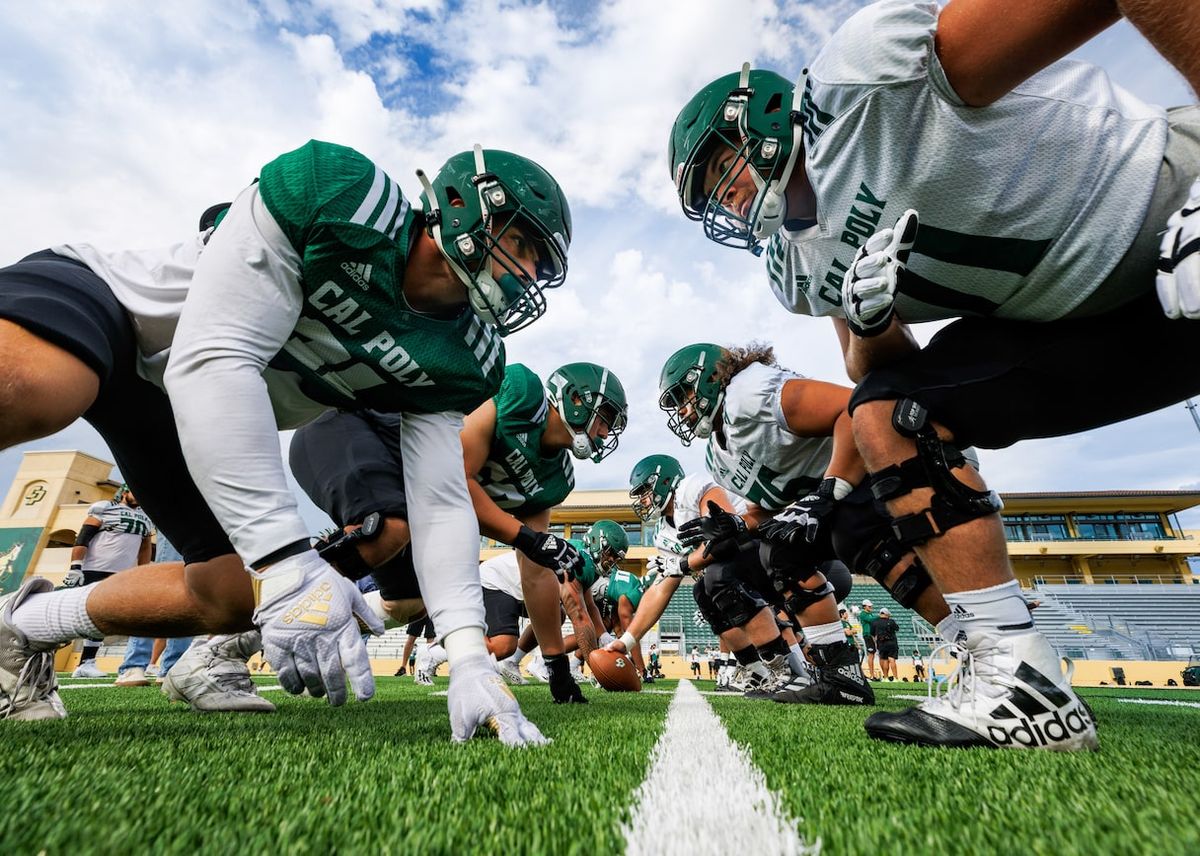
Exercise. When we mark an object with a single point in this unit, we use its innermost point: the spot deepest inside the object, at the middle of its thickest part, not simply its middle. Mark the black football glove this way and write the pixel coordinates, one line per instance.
(721, 532)
(551, 552)
(801, 522)
(562, 686)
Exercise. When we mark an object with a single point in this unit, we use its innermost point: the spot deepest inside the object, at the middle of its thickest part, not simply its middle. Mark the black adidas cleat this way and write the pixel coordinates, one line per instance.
(839, 679)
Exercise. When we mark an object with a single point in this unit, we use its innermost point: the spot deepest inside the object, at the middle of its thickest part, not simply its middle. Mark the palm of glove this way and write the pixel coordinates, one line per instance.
(479, 698)
(667, 568)
(799, 523)
(720, 531)
(869, 286)
(1178, 280)
(73, 578)
(310, 633)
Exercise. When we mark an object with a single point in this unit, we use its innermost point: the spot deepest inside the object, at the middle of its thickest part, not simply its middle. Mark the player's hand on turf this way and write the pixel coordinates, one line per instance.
(724, 532)
(550, 551)
(1179, 260)
(801, 521)
(74, 576)
(309, 629)
(869, 286)
(667, 568)
(479, 698)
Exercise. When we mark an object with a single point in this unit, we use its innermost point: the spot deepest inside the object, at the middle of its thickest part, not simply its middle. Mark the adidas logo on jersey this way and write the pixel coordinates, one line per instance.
(360, 273)
(962, 613)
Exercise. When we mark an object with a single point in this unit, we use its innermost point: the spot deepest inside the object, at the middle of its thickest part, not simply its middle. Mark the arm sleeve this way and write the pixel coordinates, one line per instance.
(243, 304)
(445, 532)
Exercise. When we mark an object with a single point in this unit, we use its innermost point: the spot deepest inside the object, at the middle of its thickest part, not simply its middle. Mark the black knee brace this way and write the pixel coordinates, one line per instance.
(801, 599)
(953, 503)
(338, 548)
(708, 609)
(736, 605)
(913, 580)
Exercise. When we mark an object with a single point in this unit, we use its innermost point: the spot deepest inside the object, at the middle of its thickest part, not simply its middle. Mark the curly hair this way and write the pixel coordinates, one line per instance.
(738, 358)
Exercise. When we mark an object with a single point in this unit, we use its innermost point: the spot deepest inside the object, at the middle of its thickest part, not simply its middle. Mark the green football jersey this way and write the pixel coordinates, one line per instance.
(357, 343)
(517, 475)
(624, 583)
(590, 572)
(865, 620)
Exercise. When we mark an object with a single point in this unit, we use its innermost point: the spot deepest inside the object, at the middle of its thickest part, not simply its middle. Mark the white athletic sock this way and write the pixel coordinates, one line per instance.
(758, 668)
(825, 634)
(57, 616)
(796, 660)
(998, 609)
(463, 642)
(518, 655)
(948, 628)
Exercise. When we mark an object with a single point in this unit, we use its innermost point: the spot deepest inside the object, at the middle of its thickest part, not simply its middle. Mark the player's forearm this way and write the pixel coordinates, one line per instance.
(864, 354)
(1173, 28)
(653, 605)
(144, 552)
(845, 461)
(494, 521)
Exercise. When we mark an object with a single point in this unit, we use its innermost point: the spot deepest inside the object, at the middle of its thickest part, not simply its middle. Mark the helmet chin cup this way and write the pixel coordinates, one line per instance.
(770, 213)
(581, 446)
(704, 426)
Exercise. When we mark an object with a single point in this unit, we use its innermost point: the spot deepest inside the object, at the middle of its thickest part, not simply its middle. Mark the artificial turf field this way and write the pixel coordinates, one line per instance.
(128, 772)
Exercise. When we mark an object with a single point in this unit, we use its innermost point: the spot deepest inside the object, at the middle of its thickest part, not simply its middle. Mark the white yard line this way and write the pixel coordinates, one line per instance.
(1165, 701)
(696, 750)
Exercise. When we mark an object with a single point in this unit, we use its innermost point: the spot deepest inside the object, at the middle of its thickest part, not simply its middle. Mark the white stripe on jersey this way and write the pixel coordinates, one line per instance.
(373, 196)
(384, 220)
(401, 216)
(491, 360)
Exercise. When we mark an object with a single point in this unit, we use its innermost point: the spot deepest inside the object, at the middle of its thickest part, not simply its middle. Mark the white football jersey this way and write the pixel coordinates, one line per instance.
(1026, 205)
(762, 460)
(500, 573)
(689, 493)
(115, 547)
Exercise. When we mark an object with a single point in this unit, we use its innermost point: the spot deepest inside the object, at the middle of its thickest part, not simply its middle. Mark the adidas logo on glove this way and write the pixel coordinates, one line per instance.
(314, 608)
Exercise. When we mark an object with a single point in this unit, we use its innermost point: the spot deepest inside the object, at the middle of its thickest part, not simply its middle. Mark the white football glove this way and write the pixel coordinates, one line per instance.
(479, 697)
(309, 632)
(671, 568)
(1179, 260)
(74, 576)
(869, 286)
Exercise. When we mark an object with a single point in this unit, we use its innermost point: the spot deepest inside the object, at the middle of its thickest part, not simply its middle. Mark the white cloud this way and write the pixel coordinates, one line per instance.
(124, 121)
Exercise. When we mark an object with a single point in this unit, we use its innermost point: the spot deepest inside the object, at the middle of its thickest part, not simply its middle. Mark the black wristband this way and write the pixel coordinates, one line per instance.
(526, 539)
(293, 549)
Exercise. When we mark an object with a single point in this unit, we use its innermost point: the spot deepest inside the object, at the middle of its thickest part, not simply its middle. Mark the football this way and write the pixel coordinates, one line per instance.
(614, 671)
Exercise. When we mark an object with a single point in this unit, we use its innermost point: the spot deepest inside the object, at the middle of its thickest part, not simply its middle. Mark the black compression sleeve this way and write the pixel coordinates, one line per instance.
(86, 533)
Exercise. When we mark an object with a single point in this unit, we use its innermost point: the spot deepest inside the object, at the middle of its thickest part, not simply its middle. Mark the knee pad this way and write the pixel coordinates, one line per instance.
(708, 609)
(736, 605)
(802, 599)
(953, 503)
(339, 547)
(786, 566)
(838, 576)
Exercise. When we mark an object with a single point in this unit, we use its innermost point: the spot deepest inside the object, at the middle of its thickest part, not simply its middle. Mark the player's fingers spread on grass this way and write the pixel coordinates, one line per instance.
(515, 730)
(333, 676)
(286, 670)
(357, 663)
(364, 613)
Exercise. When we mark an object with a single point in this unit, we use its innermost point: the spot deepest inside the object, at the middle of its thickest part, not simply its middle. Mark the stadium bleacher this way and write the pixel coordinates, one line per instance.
(1163, 618)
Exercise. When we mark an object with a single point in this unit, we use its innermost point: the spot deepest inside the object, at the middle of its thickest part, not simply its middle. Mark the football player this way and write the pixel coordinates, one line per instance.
(777, 437)
(1048, 252)
(518, 448)
(321, 288)
(601, 547)
(661, 493)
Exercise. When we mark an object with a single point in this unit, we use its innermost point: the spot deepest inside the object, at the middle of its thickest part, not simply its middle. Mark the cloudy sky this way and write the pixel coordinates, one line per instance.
(124, 120)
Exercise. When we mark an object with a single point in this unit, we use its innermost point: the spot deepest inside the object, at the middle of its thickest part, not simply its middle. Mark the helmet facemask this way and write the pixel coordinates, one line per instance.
(499, 289)
(591, 402)
(689, 414)
(768, 159)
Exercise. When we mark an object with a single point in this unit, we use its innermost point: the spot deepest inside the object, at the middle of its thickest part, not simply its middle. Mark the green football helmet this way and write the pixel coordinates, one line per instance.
(591, 401)
(652, 484)
(474, 200)
(749, 113)
(607, 544)
(689, 391)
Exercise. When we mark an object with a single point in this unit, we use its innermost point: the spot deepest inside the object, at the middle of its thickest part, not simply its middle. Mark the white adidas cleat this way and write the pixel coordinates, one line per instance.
(423, 678)
(212, 676)
(511, 672)
(1009, 692)
(28, 684)
(88, 669)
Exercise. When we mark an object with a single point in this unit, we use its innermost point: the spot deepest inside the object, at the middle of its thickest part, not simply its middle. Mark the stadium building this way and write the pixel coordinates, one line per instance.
(1110, 571)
